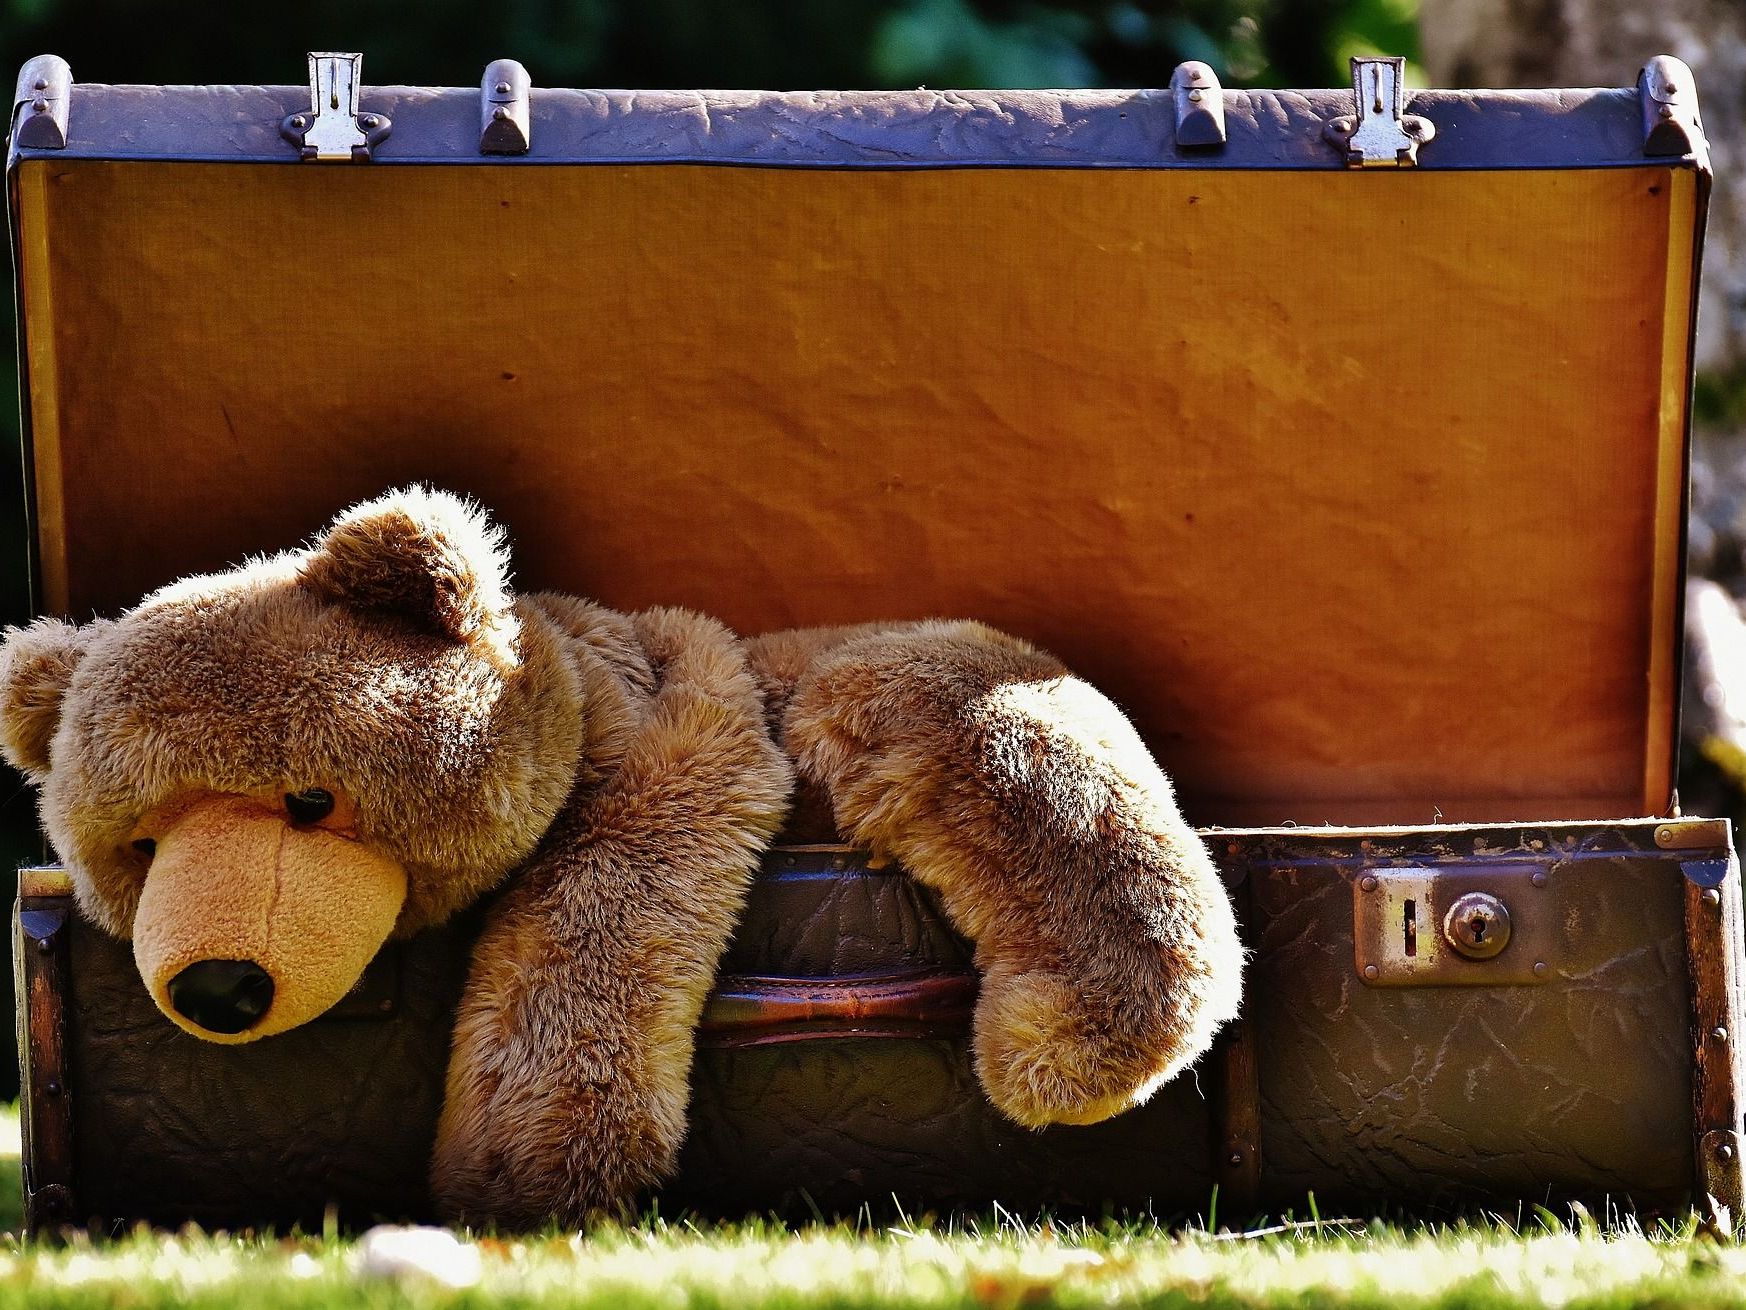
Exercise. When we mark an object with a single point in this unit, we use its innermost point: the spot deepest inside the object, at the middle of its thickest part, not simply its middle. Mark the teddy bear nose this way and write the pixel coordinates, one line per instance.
(222, 996)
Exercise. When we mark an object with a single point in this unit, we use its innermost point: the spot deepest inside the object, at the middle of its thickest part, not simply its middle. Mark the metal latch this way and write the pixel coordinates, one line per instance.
(1382, 134)
(1454, 926)
(332, 128)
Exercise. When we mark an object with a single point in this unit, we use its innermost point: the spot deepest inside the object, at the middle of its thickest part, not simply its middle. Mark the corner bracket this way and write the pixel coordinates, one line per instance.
(1719, 1169)
(42, 981)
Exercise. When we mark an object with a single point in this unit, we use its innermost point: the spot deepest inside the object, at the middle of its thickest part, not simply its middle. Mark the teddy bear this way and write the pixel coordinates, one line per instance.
(261, 775)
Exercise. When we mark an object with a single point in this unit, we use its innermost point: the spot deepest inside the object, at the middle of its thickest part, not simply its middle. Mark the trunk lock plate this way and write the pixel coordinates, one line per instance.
(1455, 926)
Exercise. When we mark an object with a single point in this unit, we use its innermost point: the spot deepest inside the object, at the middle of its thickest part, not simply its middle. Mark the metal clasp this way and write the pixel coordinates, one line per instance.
(1383, 134)
(333, 128)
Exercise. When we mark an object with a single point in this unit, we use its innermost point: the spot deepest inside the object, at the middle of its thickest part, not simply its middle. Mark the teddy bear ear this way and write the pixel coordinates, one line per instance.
(36, 667)
(427, 556)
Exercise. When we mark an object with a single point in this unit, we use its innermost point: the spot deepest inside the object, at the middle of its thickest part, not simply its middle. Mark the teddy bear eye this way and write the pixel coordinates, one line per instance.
(311, 805)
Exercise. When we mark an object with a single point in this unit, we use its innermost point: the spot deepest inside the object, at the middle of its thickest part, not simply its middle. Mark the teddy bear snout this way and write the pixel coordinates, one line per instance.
(222, 996)
(250, 922)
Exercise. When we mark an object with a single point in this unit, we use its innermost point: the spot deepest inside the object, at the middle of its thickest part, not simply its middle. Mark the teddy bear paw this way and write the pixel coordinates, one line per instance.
(1049, 1051)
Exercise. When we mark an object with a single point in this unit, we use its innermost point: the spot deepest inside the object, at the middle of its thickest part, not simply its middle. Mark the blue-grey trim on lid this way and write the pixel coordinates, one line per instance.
(863, 129)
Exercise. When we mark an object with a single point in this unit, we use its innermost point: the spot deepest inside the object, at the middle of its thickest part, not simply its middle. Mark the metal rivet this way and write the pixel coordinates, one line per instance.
(503, 88)
(369, 122)
(1369, 884)
(1667, 111)
(46, 945)
(1711, 896)
(1539, 968)
(1719, 1033)
(1236, 1159)
(385, 1006)
(500, 113)
(1539, 879)
(39, 106)
(52, 1087)
(42, 84)
(299, 122)
(1370, 971)
(1194, 94)
(1664, 835)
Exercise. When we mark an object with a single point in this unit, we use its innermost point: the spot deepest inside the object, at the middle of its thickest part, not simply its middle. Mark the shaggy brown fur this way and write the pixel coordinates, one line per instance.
(570, 1074)
(1106, 941)
(622, 773)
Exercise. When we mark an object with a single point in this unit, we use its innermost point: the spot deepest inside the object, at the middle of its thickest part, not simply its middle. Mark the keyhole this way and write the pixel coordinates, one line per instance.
(1410, 927)
(1477, 925)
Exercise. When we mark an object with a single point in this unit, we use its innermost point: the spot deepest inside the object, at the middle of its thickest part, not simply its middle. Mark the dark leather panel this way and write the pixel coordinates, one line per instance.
(1580, 1087)
(861, 129)
(831, 1125)
(1418, 1096)
(169, 1128)
(823, 915)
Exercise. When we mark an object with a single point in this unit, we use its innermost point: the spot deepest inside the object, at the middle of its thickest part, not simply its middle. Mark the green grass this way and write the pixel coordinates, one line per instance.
(1009, 1266)
(992, 1264)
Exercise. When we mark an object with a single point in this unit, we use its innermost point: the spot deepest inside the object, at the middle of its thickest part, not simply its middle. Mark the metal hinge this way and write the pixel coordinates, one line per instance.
(504, 118)
(41, 102)
(1667, 93)
(1382, 134)
(332, 127)
(1199, 101)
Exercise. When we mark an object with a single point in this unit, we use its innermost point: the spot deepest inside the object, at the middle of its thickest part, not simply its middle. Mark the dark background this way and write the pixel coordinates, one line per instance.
(769, 44)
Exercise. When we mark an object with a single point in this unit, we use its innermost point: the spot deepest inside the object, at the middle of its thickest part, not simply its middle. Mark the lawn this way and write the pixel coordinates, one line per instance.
(996, 1262)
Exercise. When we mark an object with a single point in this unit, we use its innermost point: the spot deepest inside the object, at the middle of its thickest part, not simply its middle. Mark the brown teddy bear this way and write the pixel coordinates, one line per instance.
(261, 775)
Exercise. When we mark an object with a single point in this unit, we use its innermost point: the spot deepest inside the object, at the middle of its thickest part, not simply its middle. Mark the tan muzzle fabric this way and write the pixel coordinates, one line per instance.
(232, 880)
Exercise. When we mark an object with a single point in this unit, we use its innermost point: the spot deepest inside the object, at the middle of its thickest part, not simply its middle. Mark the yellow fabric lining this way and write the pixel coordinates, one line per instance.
(1352, 488)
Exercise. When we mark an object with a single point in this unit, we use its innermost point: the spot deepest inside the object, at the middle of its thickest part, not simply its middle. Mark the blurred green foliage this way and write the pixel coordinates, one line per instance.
(777, 44)
(774, 44)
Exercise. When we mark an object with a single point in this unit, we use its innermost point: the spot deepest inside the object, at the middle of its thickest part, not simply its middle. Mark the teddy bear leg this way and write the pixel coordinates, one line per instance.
(1106, 939)
(569, 1074)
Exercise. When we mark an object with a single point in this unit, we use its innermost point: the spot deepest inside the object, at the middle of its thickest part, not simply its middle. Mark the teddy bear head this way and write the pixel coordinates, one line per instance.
(260, 775)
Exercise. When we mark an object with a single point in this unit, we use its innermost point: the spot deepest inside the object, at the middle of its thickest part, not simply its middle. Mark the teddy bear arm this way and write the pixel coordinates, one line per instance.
(1027, 802)
(567, 1081)
(569, 1073)
(780, 660)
